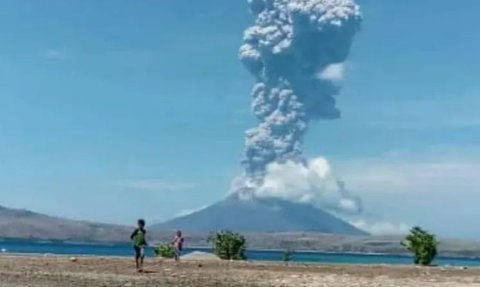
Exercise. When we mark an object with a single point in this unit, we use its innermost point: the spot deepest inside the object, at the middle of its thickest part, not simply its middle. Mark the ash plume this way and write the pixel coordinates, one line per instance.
(295, 50)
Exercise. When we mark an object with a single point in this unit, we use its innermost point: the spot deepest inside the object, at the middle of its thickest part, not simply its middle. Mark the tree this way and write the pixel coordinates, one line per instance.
(164, 250)
(422, 244)
(228, 245)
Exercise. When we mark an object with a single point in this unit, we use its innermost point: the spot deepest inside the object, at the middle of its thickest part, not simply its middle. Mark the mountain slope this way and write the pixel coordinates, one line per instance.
(16, 223)
(261, 215)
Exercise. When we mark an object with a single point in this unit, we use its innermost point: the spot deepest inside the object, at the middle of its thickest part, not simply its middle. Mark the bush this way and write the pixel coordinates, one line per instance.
(422, 244)
(164, 251)
(228, 245)
(287, 255)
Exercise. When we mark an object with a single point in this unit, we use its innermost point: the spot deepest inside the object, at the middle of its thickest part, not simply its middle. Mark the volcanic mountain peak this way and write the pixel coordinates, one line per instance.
(261, 215)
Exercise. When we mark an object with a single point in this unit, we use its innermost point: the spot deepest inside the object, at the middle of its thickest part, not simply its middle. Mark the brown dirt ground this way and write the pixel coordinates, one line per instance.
(31, 271)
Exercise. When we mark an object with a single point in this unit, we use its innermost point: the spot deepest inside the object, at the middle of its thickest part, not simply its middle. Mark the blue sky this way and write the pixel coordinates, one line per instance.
(115, 109)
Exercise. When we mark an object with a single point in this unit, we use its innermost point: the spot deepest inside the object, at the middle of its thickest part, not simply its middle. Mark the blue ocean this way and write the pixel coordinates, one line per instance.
(35, 247)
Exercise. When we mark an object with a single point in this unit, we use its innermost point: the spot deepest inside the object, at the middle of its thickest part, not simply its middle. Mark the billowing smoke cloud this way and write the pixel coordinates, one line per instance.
(295, 50)
(312, 183)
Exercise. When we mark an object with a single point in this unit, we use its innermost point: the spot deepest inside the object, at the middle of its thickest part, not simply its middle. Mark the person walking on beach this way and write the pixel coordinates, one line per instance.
(177, 245)
(139, 242)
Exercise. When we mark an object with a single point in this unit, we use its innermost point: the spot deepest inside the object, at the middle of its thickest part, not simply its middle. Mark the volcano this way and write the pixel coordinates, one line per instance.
(261, 215)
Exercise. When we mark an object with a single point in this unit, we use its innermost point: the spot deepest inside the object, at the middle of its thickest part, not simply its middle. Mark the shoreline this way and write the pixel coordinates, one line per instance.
(299, 242)
(247, 261)
(209, 249)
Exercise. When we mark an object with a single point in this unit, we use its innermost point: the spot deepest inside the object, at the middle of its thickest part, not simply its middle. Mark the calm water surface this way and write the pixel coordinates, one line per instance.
(311, 257)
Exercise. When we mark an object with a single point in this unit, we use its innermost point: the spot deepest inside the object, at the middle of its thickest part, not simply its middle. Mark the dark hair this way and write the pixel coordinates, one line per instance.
(141, 222)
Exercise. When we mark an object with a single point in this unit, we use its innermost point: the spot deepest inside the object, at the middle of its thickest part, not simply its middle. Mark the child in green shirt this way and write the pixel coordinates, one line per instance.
(139, 241)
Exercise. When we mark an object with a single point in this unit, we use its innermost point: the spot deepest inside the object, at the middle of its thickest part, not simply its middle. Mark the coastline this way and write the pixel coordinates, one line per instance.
(300, 242)
(208, 249)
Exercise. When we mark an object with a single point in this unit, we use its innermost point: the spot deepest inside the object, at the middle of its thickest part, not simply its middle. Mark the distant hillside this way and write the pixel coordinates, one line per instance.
(261, 215)
(340, 243)
(16, 223)
(24, 224)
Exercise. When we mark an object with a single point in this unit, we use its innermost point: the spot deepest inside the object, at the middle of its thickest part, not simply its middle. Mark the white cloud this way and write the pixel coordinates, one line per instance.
(408, 175)
(334, 72)
(54, 54)
(445, 112)
(435, 189)
(381, 227)
(311, 182)
(155, 185)
(190, 211)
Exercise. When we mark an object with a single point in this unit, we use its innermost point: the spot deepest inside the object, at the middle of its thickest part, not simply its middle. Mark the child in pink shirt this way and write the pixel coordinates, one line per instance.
(178, 244)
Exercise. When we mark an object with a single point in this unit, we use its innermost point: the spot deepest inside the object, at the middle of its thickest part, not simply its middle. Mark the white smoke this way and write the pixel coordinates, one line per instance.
(312, 183)
(382, 227)
(334, 72)
(295, 50)
(190, 211)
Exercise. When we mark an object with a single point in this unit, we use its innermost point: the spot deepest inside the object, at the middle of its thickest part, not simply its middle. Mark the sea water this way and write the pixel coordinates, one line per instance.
(60, 248)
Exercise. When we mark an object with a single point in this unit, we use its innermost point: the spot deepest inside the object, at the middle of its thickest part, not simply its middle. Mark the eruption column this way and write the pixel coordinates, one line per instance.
(295, 50)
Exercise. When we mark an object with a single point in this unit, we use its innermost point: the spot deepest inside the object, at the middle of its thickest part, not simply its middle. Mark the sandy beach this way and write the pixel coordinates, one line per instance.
(32, 271)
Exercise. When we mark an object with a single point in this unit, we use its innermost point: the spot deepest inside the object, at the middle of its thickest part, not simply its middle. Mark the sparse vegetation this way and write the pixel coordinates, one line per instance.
(164, 251)
(287, 255)
(228, 245)
(422, 244)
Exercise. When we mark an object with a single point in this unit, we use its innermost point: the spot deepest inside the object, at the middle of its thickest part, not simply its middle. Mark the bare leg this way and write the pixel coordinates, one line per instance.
(138, 259)
(177, 255)
(141, 257)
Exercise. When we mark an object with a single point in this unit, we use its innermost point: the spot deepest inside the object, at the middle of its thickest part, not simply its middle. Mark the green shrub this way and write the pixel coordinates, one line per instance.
(228, 245)
(287, 255)
(164, 251)
(422, 244)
